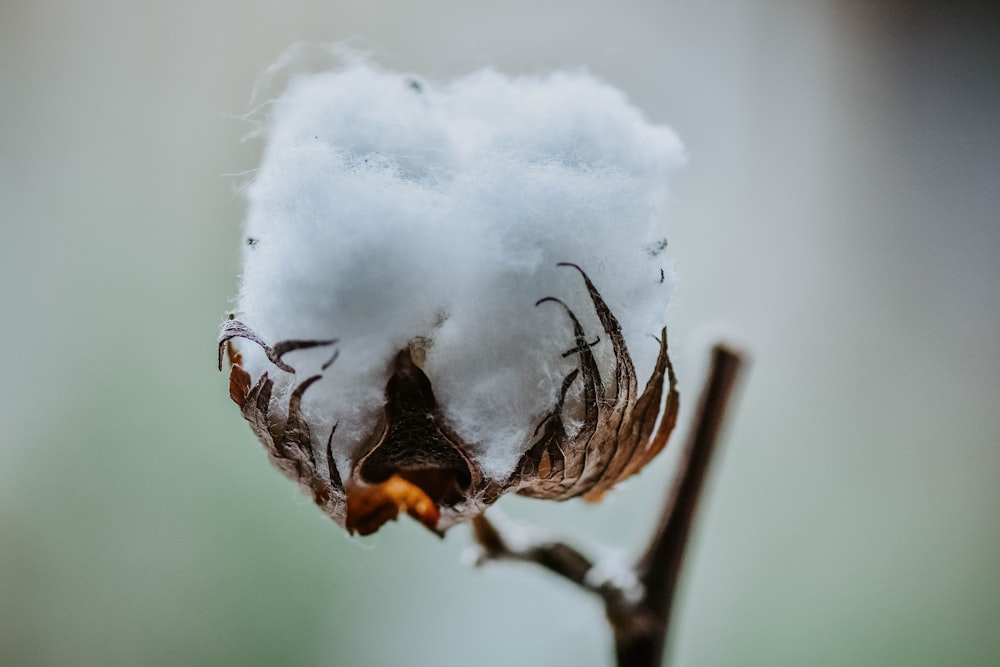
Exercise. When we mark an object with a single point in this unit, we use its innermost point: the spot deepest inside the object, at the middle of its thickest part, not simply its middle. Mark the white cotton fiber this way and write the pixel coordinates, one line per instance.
(387, 209)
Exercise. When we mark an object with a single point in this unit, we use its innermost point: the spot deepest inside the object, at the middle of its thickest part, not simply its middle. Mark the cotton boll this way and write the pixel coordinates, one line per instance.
(385, 213)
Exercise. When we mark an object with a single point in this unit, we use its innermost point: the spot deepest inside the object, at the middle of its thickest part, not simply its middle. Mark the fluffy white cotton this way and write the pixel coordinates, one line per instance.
(387, 209)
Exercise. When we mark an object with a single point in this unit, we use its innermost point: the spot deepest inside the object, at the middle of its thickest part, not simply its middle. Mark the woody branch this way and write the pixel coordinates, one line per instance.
(640, 623)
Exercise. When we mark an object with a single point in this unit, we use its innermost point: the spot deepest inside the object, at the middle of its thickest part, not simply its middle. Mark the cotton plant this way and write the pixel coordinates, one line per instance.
(455, 291)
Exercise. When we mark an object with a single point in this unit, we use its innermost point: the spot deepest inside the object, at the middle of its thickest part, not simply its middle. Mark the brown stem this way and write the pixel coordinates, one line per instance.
(660, 566)
(641, 622)
(559, 558)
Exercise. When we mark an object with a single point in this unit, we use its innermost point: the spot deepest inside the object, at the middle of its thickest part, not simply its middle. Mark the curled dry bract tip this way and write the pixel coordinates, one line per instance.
(414, 462)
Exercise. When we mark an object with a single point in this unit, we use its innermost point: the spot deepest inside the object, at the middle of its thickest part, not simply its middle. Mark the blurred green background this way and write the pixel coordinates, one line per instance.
(839, 218)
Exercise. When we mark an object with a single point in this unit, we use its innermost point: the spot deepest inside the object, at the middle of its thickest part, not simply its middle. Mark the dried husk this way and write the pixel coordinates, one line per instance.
(413, 462)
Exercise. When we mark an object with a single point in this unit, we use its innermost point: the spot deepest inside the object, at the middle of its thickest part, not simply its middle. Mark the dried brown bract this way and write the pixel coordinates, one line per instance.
(413, 462)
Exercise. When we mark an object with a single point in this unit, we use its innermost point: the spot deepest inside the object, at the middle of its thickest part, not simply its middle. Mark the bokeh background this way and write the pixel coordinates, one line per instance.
(838, 218)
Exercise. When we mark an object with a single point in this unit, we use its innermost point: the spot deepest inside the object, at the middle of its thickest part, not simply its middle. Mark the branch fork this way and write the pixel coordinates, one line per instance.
(639, 601)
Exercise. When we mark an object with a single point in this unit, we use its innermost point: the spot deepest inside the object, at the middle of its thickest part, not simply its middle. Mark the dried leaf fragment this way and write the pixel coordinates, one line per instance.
(239, 385)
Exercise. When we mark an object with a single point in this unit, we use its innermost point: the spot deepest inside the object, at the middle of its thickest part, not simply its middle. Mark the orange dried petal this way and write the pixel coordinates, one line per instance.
(369, 506)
